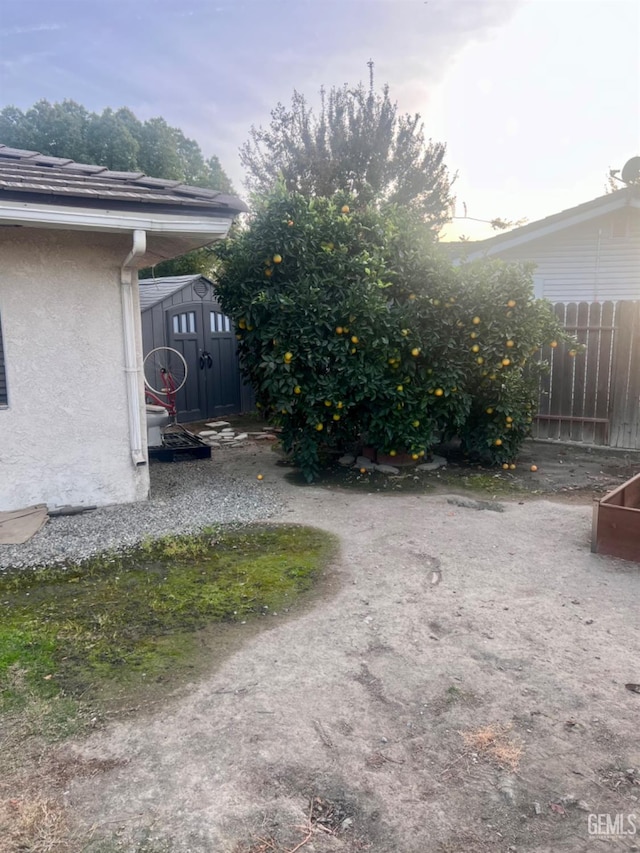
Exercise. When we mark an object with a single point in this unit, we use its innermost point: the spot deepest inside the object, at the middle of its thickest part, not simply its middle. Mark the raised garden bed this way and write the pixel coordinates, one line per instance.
(616, 522)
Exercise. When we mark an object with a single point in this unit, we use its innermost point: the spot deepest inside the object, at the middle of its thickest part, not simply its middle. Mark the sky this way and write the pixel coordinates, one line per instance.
(535, 99)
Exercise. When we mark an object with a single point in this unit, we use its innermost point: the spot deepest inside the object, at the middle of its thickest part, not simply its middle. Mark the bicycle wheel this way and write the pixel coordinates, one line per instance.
(165, 370)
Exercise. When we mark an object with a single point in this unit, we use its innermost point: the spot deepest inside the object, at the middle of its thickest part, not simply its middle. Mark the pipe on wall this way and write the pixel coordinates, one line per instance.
(129, 319)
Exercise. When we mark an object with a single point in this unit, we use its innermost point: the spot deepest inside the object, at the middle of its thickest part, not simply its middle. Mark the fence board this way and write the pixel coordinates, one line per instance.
(595, 397)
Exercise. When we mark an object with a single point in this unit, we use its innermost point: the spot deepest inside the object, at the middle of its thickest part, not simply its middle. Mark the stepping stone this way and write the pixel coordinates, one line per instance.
(243, 436)
(218, 424)
(347, 460)
(387, 469)
(436, 462)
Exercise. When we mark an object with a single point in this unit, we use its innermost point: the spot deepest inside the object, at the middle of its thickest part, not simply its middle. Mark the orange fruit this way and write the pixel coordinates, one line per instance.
(498, 442)
(399, 387)
(476, 321)
(353, 350)
(573, 352)
(473, 335)
(287, 357)
(297, 390)
(405, 332)
(480, 360)
(475, 348)
(344, 208)
(534, 468)
(553, 344)
(509, 419)
(290, 223)
(268, 272)
(339, 404)
(319, 427)
(260, 477)
(277, 259)
(506, 362)
(363, 470)
(511, 303)
(327, 402)
(415, 456)
(393, 452)
(354, 339)
(438, 392)
(336, 417)
(510, 344)
(412, 296)
(415, 423)
(339, 330)
(415, 352)
(505, 465)
(512, 466)
(489, 411)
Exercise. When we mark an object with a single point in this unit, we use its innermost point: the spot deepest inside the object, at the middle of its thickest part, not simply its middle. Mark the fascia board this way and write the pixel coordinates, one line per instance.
(85, 219)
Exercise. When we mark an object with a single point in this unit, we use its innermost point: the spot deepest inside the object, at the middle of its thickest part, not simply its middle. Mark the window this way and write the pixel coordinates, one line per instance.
(219, 322)
(3, 378)
(184, 324)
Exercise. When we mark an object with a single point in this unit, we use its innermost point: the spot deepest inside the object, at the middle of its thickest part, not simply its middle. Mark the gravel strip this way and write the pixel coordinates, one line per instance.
(186, 496)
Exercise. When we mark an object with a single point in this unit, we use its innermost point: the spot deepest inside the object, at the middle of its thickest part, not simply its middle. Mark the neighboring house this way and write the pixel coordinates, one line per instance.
(72, 237)
(589, 253)
(182, 312)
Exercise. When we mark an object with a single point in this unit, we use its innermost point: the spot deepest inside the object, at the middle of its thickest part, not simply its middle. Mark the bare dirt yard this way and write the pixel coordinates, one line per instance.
(456, 685)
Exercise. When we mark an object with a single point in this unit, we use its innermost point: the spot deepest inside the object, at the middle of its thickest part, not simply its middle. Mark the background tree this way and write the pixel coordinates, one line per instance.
(353, 327)
(118, 140)
(358, 144)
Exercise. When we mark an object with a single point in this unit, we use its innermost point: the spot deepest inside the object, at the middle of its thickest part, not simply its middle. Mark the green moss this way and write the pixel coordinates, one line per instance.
(123, 619)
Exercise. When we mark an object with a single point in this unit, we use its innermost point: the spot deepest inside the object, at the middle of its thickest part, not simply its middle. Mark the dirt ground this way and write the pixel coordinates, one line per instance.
(457, 686)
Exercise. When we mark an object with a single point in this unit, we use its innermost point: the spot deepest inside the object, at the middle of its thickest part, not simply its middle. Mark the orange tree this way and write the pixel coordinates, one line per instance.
(353, 327)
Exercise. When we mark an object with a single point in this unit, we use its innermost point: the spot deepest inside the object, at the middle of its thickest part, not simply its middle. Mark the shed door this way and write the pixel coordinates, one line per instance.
(186, 335)
(205, 338)
(222, 376)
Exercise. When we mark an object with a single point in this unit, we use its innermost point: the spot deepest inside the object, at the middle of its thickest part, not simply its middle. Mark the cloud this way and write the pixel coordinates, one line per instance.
(28, 29)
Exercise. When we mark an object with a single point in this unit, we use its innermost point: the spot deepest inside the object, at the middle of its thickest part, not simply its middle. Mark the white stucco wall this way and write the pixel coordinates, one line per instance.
(64, 437)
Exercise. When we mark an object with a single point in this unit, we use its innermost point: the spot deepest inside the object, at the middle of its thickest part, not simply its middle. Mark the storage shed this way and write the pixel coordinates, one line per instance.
(182, 312)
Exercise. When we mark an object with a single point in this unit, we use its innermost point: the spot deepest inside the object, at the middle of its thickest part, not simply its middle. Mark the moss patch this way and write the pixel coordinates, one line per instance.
(123, 620)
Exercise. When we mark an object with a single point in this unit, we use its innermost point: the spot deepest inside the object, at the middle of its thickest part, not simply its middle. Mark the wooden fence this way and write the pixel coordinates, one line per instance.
(595, 397)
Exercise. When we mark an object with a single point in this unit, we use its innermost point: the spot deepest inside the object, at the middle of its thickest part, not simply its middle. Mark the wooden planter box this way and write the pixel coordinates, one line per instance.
(616, 522)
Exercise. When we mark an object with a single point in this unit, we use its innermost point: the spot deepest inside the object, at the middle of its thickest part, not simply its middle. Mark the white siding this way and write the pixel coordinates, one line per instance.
(586, 262)
(64, 437)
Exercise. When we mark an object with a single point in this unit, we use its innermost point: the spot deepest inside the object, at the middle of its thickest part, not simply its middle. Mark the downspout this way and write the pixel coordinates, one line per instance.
(138, 249)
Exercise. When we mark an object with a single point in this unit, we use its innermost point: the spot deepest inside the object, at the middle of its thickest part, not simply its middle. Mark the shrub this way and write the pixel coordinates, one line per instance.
(353, 326)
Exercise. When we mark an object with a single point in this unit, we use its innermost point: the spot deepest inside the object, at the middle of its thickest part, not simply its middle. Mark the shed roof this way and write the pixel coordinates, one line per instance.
(28, 173)
(154, 290)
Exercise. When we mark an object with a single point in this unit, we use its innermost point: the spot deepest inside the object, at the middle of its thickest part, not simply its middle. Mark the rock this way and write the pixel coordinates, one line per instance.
(537, 808)
(386, 469)
(468, 503)
(347, 460)
(242, 436)
(205, 433)
(367, 464)
(219, 424)
(436, 462)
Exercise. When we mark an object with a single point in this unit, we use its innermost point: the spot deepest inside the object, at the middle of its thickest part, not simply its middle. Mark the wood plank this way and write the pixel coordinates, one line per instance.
(591, 367)
(625, 416)
(617, 532)
(606, 339)
(556, 385)
(566, 401)
(577, 428)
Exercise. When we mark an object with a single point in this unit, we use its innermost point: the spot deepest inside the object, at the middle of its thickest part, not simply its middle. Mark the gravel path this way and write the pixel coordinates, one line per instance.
(185, 497)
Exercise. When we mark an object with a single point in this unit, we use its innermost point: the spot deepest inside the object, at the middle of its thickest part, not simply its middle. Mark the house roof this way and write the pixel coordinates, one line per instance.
(28, 173)
(628, 197)
(154, 290)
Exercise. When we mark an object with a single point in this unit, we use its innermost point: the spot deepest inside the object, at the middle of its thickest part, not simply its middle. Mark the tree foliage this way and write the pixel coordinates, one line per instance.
(359, 144)
(116, 139)
(353, 327)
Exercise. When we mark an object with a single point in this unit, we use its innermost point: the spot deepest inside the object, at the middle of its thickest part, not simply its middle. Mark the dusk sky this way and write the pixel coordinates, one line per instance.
(536, 99)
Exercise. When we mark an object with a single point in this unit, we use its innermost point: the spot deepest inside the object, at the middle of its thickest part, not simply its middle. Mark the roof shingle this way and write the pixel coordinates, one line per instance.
(28, 172)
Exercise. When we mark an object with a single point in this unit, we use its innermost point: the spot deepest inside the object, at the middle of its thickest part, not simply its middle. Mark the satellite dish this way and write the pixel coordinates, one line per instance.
(631, 171)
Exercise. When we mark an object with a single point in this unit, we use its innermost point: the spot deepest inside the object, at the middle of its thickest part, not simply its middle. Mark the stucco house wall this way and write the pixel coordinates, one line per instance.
(61, 313)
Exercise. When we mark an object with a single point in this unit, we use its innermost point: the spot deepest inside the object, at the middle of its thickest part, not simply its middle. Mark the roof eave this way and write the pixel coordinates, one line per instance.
(534, 231)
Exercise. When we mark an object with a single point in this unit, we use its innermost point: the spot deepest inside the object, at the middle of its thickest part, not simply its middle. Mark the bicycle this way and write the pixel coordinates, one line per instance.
(165, 372)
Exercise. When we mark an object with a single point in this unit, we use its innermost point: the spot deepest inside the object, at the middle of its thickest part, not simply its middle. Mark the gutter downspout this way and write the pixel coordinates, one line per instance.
(138, 249)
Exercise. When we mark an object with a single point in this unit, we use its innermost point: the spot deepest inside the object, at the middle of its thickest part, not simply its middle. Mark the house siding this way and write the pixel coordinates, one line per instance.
(586, 263)
(64, 437)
